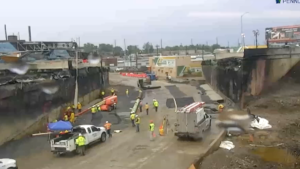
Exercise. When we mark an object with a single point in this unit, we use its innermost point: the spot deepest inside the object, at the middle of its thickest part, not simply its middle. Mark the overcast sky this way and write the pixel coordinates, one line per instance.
(139, 21)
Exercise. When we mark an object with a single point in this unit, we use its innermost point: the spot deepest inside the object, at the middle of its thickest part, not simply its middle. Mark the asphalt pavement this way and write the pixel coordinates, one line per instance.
(128, 149)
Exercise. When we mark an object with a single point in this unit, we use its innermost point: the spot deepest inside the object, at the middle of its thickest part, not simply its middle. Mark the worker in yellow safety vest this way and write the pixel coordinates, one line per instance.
(102, 94)
(137, 123)
(220, 107)
(79, 106)
(80, 142)
(73, 107)
(132, 118)
(155, 104)
(127, 92)
(93, 110)
(66, 118)
(147, 108)
(152, 126)
(112, 90)
(72, 117)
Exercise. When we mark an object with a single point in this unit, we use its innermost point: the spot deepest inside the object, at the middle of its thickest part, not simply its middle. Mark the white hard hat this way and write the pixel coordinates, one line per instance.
(106, 122)
(80, 134)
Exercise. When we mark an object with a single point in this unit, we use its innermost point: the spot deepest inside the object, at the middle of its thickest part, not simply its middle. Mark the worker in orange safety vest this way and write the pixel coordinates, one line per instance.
(107, 126)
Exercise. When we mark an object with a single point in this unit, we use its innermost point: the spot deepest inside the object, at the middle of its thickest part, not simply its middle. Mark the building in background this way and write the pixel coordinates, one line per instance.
(283, 34)
(110, 61)
(175, 66)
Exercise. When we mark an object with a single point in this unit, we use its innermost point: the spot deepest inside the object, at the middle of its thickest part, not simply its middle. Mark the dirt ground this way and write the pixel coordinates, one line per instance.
(275, 148)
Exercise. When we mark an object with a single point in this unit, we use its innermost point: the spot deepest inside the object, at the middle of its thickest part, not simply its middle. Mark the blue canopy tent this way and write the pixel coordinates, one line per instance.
(60, 126)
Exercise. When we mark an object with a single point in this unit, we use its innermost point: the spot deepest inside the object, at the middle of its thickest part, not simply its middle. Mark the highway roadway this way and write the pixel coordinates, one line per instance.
(128, 149)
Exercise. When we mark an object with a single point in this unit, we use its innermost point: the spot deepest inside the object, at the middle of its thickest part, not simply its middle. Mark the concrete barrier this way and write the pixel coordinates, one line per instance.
(39, 125)
(213, 146)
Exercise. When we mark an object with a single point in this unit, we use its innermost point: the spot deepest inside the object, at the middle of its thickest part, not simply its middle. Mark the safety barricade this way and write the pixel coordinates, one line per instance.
(142, 75)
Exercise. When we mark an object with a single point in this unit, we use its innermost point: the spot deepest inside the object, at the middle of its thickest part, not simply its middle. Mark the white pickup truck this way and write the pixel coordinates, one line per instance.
(7, 163)
(67, 142)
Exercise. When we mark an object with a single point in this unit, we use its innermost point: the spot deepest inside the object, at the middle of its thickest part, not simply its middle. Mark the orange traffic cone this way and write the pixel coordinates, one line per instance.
(161, 130)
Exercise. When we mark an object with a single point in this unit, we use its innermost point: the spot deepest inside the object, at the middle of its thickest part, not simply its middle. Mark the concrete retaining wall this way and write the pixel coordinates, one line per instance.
(40, 124)
(242, 78)
(210, 149)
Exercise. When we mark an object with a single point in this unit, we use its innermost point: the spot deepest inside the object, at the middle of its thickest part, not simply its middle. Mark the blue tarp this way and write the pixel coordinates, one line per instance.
(60, 126)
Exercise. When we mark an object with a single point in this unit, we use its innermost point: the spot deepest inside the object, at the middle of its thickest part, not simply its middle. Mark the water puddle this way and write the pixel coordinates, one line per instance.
(275, 154)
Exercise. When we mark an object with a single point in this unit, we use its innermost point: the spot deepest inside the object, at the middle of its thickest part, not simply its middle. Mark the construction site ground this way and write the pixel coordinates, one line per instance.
(275, 148)
(127, 149)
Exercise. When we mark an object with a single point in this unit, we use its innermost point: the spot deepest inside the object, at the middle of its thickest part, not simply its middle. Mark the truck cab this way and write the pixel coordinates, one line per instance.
(67, 142)
(192, 121)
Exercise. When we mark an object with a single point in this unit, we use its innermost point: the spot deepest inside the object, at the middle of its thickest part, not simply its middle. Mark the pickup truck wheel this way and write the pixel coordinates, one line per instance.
(109, 109)
(103, 137)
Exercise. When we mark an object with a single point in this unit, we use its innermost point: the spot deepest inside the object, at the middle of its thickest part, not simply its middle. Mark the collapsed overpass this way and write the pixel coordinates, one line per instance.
(243, 78)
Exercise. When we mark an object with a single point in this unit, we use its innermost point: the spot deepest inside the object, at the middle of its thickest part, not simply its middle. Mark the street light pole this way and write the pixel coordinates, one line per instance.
(242, 31)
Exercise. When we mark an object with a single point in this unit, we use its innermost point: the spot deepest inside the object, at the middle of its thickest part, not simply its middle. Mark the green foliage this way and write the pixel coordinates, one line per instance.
(131, 49)
(193, 47)
(148, 48)
(89, 47)
(109, 49)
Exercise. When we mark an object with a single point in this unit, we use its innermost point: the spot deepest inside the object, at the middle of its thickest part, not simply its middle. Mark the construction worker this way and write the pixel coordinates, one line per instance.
(151, 127)
(79, 106)
(161, 130)
(147, 108)
(127, 92)
(112, 90)
(107, 126)
(93, 110)
(140, 91)
(132, 118)
(102, 94)
(137, 122)
(220, 107)
(155, 104)
(98, 108)
(66, 118)
(141, 107)
(80, 142)
(73, 107)
(72, 117)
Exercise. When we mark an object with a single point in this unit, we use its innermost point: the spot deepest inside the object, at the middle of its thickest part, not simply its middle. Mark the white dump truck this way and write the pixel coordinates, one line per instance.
(192, 121)
(66, 143)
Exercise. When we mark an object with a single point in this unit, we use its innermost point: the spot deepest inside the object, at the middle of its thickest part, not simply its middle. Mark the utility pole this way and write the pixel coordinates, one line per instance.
(242, 31)
(256, 33)
(161, 44)
(202, 52)
(228, 44)
(217, 41)
(206, 43)
(191, 41)
(157, 49)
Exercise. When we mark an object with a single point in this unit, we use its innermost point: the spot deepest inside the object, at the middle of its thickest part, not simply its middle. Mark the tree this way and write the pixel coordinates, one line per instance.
(118, 51)
(89, 47)
(148, 48)
(105, 48)
(132, 49)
